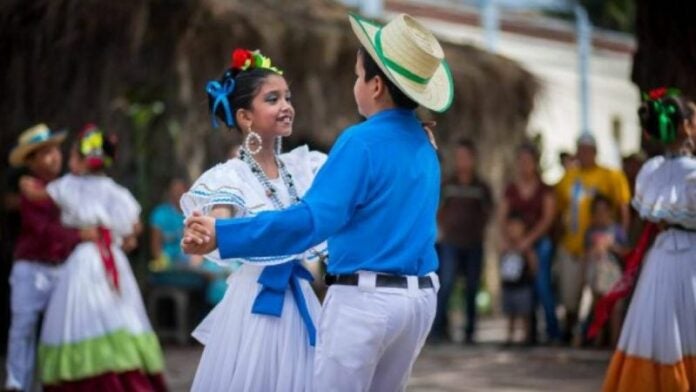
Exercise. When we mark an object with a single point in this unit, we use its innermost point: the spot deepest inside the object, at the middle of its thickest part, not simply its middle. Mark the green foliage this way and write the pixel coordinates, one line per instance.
(612, 14)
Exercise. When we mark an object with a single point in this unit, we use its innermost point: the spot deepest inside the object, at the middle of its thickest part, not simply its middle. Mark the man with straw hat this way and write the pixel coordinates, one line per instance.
(375, 199)
(41, 248)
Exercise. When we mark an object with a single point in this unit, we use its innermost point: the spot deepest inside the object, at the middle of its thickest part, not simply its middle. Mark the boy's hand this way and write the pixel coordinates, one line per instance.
(199, 235)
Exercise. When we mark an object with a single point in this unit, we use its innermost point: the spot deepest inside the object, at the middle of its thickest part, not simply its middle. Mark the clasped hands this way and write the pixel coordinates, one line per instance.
(199, 235)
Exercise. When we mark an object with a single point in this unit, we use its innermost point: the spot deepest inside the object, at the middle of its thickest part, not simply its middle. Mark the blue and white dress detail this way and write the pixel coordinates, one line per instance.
(260, 337)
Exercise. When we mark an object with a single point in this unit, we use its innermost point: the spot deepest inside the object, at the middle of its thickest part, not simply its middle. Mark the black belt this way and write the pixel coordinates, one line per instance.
(392, 281)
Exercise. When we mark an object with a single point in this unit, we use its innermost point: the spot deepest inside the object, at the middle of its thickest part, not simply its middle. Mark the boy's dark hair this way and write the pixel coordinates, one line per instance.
(517, 217)
(467, 143)
(598, 199)
(400, 99)
(563, 155)
(531, 149)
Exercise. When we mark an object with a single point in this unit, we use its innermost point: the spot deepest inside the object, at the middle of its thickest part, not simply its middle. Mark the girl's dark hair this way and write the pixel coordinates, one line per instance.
(246, 85)
(675, 109)
(400, 99)
(110, 145)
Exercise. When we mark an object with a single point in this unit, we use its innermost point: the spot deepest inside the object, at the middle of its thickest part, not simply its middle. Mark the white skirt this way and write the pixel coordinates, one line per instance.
(89, 328)
(251, 352)
(84, 306)
(659, 333)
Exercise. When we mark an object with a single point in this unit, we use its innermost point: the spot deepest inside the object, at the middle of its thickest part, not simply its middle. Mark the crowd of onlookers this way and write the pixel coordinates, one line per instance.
(554, 242)
(558, 247)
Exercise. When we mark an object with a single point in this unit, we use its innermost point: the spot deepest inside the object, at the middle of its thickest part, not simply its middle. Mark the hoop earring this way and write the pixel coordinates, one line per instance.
(253, 138)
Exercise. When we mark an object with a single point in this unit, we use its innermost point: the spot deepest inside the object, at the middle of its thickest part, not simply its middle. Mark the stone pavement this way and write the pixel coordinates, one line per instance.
(482, 368)
(453, 367)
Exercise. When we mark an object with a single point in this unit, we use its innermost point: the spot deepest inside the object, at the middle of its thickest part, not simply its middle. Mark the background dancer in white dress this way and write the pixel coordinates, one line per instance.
(96, 335)
(260, 337)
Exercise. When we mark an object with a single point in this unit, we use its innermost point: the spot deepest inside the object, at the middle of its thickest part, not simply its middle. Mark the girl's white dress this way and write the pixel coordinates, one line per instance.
(91, 329)
(657, 348)
(245, 351)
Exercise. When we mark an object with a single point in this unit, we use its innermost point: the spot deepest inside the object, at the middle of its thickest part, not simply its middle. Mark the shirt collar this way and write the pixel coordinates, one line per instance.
(394, 112)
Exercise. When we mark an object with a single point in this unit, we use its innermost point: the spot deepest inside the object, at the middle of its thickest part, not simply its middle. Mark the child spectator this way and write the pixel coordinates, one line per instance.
(517, 268)
(605, 243)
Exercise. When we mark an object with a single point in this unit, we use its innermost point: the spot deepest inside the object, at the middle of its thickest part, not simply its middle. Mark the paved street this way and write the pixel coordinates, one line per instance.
(454, 367)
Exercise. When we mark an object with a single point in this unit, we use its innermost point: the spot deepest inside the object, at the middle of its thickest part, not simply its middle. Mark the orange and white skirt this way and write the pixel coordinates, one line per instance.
(657, 348)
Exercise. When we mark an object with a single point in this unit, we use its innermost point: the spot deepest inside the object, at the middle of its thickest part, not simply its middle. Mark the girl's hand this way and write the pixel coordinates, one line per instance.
(199, 235)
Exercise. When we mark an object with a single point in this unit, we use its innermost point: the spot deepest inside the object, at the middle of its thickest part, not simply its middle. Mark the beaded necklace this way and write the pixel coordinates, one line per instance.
(261, 176)
(271, 191)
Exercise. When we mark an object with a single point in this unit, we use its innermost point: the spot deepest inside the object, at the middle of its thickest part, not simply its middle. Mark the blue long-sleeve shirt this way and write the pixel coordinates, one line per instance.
(375, 199)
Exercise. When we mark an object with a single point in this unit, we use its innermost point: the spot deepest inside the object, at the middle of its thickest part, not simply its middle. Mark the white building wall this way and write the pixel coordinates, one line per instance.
(613, 97)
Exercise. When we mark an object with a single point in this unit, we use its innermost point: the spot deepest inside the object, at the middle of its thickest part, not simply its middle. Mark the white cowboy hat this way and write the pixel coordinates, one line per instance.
(31, 140)
(411, 57)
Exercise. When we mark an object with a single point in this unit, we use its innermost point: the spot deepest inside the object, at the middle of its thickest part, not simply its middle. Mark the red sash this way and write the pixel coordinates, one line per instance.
(104, 246)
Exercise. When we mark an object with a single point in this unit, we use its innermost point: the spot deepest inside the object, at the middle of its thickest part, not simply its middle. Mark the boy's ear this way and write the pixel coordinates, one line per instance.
(378, 87)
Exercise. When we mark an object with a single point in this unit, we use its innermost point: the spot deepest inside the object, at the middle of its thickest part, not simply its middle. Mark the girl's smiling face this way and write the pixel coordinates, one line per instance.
(271, 111)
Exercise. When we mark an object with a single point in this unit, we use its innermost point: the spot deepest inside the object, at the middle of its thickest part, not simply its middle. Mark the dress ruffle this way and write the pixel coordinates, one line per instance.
(666, 191)
(233, 184)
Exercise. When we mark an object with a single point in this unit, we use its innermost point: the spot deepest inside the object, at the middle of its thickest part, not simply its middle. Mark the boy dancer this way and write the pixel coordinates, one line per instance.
(375, 200)
(41, 248)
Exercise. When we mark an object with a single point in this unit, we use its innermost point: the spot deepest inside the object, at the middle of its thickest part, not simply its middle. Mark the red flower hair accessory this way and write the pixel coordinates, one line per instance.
(661, 92)
(243, 59)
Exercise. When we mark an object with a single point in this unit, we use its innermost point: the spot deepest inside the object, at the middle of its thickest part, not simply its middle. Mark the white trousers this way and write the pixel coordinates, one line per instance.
(369, 337)
(31, 286)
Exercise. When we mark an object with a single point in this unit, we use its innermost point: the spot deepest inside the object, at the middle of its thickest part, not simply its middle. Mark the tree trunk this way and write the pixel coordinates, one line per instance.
(666, 55)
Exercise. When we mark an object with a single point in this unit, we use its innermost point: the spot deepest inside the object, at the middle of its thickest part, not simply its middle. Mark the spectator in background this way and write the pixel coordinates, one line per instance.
(170, 266)
(167, 228)
(466, 205)
(574, 195)
(518, 266)
(568, 160)
(532, 200)
(605, 244)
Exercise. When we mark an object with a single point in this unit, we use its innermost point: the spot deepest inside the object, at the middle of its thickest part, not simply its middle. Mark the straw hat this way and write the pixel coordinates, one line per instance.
(31, 140)
(411, 57)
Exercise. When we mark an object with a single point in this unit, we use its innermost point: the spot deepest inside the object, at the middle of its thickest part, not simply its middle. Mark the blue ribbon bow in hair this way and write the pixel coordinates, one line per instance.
(275, 280)
(219, 92)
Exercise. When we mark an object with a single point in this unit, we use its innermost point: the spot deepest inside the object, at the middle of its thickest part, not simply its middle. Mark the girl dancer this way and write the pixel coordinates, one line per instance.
(657, 348)
(260, 337)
